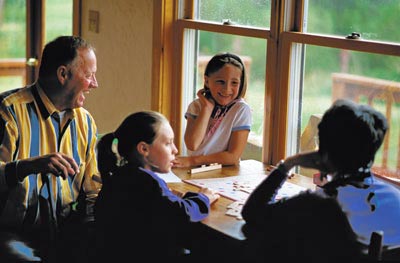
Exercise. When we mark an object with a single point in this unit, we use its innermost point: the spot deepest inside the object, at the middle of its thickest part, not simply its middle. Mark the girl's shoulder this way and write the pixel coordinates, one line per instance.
(241, 101)
(194, 108)
(241, 106)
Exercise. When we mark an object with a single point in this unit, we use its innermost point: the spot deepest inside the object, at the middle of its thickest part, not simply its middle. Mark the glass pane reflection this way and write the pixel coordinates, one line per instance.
(366, 78)
(375, 20)
(243, 12)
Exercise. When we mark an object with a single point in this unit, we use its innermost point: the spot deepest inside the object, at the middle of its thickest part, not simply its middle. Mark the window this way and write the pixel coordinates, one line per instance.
(252, 51)
(12, 36)
(374, 20)
(218, 27)
(356, 63)
(58, 18)
(18, 54)
(314, 52)
(257, 13)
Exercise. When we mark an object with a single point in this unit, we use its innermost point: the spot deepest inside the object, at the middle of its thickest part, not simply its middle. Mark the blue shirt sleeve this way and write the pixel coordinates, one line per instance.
(196, 205)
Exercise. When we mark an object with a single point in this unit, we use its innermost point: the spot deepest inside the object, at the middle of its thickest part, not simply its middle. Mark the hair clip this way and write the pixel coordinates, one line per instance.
(366, 169)
(121, 161)
(363, 170)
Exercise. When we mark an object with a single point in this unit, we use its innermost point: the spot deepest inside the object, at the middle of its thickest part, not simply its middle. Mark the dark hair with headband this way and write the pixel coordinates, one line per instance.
(220, 60)
(119, 147)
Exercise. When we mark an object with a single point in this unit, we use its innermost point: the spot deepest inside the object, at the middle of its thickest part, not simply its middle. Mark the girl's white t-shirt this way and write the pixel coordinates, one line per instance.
(237, 118)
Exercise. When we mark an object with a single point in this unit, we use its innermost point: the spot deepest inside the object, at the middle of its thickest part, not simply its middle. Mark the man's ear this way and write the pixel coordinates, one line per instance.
(62, 74)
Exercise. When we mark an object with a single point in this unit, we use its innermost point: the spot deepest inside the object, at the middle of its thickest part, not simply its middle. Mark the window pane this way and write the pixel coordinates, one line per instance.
(375, 20)
(7, 83)
(366, 78)
(58, 18)
(12, 29)
(253, 53)
(12, 44)
(243, 12)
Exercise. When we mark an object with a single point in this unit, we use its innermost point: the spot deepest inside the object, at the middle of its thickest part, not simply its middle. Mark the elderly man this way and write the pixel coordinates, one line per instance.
(47, 149)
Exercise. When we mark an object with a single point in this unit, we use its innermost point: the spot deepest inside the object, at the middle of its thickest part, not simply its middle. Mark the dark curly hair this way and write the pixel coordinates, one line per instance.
(351, 134)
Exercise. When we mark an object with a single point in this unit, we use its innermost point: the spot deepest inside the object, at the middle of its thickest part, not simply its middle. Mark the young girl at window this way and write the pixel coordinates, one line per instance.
(137, 215)
(219, 120)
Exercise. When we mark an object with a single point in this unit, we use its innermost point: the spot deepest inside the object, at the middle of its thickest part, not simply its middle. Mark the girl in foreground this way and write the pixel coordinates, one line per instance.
(137, 205)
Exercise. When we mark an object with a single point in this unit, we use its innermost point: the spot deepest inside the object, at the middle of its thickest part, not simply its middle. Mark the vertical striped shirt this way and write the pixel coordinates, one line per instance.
(30, 126)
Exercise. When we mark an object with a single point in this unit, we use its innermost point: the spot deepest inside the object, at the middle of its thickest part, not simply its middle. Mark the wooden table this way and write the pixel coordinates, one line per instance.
(217, 219)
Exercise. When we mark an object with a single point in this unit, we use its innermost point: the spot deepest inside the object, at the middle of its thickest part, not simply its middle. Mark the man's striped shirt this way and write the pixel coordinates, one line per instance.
(30, 126)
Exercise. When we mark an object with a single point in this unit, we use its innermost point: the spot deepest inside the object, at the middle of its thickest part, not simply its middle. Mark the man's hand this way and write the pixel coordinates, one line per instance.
(56, 163)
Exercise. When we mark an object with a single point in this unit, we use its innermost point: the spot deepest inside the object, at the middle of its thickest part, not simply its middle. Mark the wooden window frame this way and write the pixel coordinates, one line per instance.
(35, 40)
(282, 38)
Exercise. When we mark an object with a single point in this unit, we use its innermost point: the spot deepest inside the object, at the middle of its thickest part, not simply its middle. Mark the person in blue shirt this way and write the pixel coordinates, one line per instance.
(137, 215)
(302, 226)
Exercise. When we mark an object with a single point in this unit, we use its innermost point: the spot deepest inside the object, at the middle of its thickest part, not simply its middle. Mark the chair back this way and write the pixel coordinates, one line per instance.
(375, 246)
